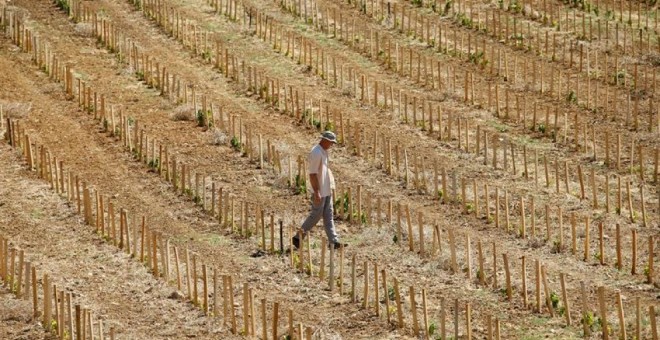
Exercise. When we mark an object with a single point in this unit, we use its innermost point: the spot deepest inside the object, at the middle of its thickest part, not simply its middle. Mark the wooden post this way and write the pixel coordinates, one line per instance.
(633, 265)
(603, 311)
(468, 256)
(216, 294)
(601, 243)
(365, 301)
(425, 314)
(413, 311)
(79, 326)
(246, 309)
(649, 270)
(482, 276)
(341, 270)
(587, 224)
(420, 219)
(509, 291)
(622, 318)
(386, 295)
(585, 326)
(522, 218)
(188, 275)
(205, 306)
(564, 296)
(654, 325)
(546, 289)
(47, 303)
(443, 318)
(276, 309)
(494, 265)
(264, 321)
(641, 193)
(399, 307)
(524, 282)
(376, 290)
(309, 256)
(35, 296)
(322, 264)
(353, 292)
(18, 279)
(452, 247)
(456, 311)
(538, 286)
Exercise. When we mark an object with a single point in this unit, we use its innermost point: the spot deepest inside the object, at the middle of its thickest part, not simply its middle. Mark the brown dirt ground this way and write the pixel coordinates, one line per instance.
(71, 135)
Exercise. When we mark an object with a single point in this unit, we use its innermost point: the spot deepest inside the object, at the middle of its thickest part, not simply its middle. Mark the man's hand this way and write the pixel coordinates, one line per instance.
(317, 197)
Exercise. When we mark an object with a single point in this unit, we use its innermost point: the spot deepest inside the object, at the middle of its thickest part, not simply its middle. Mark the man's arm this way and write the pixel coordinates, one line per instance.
(315, 165)
(314, 181)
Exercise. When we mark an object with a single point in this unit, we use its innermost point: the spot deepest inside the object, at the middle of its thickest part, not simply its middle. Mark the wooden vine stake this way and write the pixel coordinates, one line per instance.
(654, 325)
(399, 307)
(331, 274)
(649, 269)
(603, 311)
(413, 311)
(353, 292)
(47, 302)
(276, 311)
(386, 295)
(622, 318)
(322, 264)
(426, 316)
(585, 326)
(509, 291)
(365, 301)
(564, 296)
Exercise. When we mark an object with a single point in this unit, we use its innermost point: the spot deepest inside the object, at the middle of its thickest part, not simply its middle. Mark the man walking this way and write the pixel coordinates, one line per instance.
(321, 184)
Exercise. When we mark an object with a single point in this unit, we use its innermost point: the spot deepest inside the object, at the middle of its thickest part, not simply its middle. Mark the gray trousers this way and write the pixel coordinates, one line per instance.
(323, 209)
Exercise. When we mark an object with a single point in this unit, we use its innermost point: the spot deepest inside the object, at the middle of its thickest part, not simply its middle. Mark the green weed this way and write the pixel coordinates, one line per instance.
(154, 163)
(300, 185)
(588, 319)
(329, 126)
(236, 144)
(514, 7)
(432, 328)
(63, 5)
(206, 55)
(464, 20)
(571, 97)
(542, 128)
(554, 298)
(202, 118)
(447, 7)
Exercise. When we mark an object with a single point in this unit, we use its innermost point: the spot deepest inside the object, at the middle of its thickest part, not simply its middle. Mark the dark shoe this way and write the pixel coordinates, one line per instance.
(296, 242)
(338, 245)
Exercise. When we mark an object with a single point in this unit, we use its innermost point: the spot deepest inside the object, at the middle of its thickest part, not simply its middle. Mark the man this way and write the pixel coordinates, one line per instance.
(321, 184)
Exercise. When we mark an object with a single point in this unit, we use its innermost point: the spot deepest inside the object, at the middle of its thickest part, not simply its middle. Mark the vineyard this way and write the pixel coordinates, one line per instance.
(496, 172)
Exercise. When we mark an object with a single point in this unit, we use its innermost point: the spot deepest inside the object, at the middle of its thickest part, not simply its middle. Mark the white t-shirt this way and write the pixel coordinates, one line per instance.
(318, 164)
